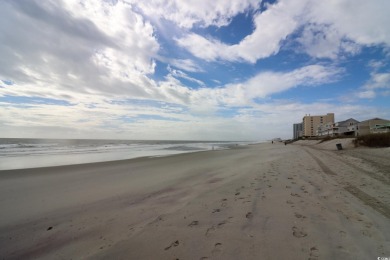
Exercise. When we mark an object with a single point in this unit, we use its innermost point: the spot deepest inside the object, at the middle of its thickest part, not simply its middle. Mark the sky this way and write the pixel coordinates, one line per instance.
(189, 69)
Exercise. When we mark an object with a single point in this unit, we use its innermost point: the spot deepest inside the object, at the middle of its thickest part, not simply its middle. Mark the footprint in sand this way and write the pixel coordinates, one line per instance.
(173, 244)
(298, 232)
(249, 215)
(304, 189)
(314, 253)
(213, 228)
(193, 223)
(220, 224)
(209, 231)
(366, 233)
(297, 215)
(216, 210)
(217, 248)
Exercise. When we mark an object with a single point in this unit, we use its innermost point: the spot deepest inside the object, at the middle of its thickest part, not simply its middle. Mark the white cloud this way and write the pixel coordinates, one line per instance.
(172, 90)
(96, 112)
(376, 64)
(267, 83)
(181, 74)
(76, 48)
(271, 27)
(107, 119)
(375, 85)
(378, 80)
(328, 29)
(366, 94)
(278, 82)
(134, 39)
(335, 27)
(186, 64)
(264, 84)
(189, 13)
(324, 41)
(360, 21)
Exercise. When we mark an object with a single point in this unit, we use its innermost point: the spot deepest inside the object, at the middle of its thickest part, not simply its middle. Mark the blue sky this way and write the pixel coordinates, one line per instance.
(194, 70)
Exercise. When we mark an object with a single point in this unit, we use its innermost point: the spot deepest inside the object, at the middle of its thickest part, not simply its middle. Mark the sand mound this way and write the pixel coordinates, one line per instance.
(347, 143)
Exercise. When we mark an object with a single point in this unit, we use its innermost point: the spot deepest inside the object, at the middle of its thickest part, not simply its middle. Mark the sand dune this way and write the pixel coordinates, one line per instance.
(266, 201)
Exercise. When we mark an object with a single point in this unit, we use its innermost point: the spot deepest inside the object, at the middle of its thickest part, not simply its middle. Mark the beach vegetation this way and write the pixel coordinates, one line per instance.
(373, 140)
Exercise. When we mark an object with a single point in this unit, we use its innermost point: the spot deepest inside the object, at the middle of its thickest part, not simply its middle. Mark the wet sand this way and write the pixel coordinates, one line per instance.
(266, 201)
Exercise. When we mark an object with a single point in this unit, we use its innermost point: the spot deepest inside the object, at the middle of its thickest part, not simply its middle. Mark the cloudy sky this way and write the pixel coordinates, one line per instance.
(189, 69)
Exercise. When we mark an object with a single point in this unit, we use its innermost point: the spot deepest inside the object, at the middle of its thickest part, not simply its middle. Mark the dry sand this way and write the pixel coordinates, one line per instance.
(267, 201)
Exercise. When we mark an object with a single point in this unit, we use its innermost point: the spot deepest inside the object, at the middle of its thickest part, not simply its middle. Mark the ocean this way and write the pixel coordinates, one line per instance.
(19, 153)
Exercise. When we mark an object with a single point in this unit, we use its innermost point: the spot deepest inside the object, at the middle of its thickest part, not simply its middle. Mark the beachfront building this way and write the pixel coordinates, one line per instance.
(339, 128)
(297, 130)
(324, 129)
(311, 124)
(373, 126)
(351, 129)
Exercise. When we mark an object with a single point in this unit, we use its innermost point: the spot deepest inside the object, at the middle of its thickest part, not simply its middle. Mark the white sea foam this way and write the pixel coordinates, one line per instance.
(31, 153)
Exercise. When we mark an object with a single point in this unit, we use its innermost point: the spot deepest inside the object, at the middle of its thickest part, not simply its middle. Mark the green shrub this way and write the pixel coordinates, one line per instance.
(373, 140)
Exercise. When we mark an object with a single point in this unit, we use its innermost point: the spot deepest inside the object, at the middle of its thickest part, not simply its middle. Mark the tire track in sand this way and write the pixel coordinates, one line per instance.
(356, 192)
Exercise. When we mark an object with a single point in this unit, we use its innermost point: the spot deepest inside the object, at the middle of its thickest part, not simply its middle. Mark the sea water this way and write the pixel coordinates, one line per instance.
(16, 153)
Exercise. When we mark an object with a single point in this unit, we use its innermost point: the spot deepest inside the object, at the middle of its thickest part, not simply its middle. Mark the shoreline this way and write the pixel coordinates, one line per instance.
(266, 201)
(129, 160)
(30, 161)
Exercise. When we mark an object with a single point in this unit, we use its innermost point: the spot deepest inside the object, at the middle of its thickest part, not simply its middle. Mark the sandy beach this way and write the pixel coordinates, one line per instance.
(265, 201)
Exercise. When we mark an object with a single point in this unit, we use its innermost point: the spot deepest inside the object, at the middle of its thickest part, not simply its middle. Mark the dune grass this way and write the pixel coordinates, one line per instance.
(373, 140)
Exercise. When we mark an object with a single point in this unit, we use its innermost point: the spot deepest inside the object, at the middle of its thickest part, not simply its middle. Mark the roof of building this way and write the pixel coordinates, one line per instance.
(350, 119)
(375, 118)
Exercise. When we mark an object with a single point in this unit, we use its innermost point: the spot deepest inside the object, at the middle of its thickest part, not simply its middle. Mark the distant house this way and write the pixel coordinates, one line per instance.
(324, 129)
(344, 127)
(352, 128)
(373, 126)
